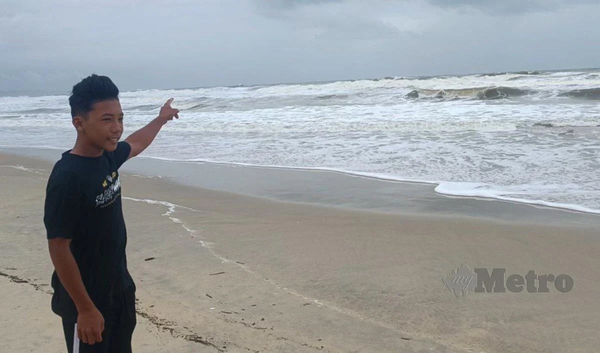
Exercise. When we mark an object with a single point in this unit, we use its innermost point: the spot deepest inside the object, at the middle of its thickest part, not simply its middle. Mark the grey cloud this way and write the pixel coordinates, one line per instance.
(291, 4)
(186, 43)
(511, 7)
(493, 7)
(331, 24)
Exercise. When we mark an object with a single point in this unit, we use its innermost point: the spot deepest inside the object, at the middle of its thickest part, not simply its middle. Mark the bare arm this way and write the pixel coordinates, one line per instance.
(90, 321)
(142, 138)
(68, 272)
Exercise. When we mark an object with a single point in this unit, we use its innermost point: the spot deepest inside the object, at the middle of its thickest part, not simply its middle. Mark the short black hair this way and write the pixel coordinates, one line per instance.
(91, 90)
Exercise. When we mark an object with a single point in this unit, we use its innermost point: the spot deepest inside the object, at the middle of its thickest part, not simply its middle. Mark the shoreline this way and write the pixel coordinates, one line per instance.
(393, 179)
(337, 189)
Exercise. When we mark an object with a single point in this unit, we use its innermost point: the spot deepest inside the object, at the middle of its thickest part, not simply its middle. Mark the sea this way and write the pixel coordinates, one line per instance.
(531, 137)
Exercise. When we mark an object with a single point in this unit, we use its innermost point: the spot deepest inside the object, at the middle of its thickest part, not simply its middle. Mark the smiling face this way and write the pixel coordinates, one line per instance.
(102, 127)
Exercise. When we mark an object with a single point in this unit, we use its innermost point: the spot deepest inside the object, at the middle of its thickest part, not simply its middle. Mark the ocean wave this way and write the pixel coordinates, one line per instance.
(412, 94)
(500, 92)
(530, 73)
(544, 124)
(534, 72)
(198, 107)
(143, 107)
(43, 111)
(332, 96)
(589, 93)
(493, 74)
(555, 125)
(201, 103)
(471, 93)
(387, 78)
(518, 78)
(503, 92)
(447, 93)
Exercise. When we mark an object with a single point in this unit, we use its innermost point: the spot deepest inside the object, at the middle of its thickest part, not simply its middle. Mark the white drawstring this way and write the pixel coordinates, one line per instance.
(75, 341)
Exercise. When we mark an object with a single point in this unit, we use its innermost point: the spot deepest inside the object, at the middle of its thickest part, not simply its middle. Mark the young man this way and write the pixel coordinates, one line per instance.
(93, 291)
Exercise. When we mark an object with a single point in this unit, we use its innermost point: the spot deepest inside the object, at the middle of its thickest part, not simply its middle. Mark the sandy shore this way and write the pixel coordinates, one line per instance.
(218, 271)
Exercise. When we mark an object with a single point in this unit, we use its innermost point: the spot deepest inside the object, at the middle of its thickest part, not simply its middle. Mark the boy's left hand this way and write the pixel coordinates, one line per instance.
(167, 113)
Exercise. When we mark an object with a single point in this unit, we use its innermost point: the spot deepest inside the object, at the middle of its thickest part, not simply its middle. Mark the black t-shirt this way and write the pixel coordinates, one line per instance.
(83, 203)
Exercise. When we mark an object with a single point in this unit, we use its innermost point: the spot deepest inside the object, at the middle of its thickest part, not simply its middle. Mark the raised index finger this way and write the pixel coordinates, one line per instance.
(169, 101)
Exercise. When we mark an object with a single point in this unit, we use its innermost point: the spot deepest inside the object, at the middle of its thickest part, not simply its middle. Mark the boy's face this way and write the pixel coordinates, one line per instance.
(104, 125)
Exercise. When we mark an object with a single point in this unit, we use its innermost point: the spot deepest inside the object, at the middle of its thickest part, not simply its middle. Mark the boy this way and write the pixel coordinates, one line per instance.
(93, 291)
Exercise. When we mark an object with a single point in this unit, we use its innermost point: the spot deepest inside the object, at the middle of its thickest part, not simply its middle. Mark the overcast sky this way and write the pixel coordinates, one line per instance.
(50, 45)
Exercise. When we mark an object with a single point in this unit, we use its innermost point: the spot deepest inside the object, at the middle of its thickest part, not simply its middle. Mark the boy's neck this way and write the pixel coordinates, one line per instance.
(85, 150)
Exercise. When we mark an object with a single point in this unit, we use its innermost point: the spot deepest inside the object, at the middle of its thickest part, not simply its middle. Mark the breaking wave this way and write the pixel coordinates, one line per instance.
(144, 107)
(332, 96)
(503, 92)
(590, 93)
(42, 111)
(472, 93)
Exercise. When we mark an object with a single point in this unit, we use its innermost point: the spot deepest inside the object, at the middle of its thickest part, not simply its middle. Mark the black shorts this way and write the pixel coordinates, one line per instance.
(118, 328)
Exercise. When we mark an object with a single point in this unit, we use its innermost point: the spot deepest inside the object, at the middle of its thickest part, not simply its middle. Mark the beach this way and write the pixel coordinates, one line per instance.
(219, 270)
(309, 176)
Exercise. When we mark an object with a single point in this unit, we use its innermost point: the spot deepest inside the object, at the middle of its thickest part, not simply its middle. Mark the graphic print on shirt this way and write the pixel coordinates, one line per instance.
(112, 189)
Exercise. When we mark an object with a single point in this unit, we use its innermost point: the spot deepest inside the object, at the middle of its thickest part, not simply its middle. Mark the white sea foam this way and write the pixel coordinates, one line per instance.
(488, 191)
(482, 148)
(25, 169)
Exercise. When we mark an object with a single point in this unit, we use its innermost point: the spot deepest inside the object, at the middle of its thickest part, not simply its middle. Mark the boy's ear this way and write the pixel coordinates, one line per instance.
(77, 122)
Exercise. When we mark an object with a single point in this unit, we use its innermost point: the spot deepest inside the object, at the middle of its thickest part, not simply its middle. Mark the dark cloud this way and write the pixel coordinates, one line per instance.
(504, 7)
(494, 7)
(293, 3)
(186, 43)
(331, 21)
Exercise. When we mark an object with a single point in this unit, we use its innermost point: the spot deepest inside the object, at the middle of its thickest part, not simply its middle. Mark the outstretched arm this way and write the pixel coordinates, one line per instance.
(142, 138)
